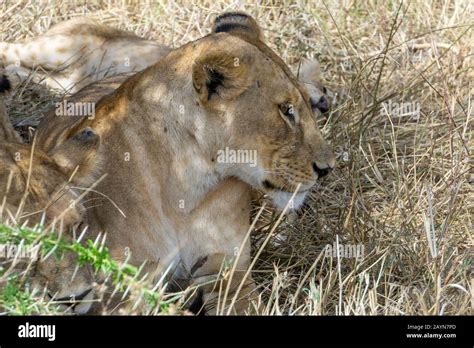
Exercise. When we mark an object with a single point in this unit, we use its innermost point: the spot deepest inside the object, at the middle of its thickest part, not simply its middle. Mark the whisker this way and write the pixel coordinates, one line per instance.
(101, 194)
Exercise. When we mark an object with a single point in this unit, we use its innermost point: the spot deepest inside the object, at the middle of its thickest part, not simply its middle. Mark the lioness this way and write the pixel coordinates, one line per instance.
(34, 187)
(162, 131)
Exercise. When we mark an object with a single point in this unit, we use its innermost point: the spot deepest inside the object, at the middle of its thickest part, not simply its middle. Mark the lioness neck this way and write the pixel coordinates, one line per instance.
(184, 143)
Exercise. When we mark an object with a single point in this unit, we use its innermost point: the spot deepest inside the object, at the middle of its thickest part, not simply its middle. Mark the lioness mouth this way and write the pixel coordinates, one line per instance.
(272, 187)
(74, 299)
(268, 185)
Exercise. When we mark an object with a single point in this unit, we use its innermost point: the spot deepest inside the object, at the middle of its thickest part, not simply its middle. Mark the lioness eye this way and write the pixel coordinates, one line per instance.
(288, 111)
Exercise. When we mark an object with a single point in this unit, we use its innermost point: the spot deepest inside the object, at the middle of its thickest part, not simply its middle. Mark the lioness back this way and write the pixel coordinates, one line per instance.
(77, 52)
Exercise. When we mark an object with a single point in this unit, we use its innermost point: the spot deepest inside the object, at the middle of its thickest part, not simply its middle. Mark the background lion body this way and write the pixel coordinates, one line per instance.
(74, 53)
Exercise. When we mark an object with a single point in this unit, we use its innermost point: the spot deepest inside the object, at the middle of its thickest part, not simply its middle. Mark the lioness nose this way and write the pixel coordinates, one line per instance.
(321, 171)
(322, 104)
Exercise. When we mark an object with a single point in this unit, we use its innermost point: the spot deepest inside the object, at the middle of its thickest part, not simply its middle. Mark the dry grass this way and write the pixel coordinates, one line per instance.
(402, 189)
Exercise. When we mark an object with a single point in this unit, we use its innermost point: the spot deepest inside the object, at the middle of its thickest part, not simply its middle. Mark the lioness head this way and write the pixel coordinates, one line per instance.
(310, 77)
(308, 73)
(38, 187)
(34, 183)
(266, 112)
(62, 280)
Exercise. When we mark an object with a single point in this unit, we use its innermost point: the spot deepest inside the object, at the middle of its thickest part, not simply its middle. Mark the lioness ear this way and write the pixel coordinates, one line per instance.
(310, 71)
(310, 75)
(5, 84)
(220, 75)
(7, 132)
(79, 151)
(237, 23)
